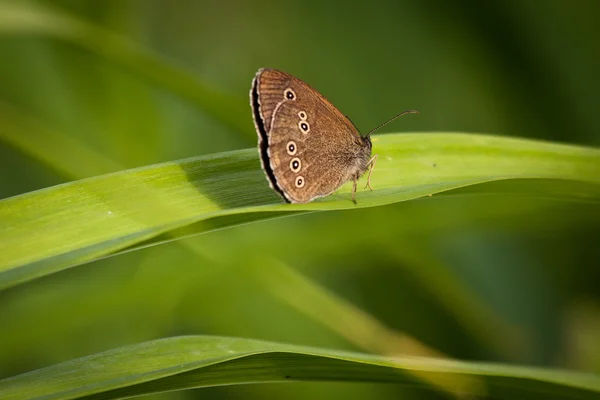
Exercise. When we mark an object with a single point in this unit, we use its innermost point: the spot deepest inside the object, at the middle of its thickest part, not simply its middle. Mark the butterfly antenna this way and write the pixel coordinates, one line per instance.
(391, 119)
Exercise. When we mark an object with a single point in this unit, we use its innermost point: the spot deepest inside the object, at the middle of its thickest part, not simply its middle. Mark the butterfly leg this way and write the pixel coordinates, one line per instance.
(354, 190)
(371, 163)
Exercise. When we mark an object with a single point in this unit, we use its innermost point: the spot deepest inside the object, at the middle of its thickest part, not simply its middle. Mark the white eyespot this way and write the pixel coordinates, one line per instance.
(299, 182)
(289, 94)
(304, 126)
(295, 164)
(302, 115)
(291, 148)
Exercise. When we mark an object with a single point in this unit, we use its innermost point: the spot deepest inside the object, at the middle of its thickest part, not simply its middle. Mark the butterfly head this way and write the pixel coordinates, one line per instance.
(366, 142)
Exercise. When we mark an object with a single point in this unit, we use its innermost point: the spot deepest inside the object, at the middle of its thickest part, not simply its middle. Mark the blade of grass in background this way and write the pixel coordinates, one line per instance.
(35, 18)
(203, 361)
(59, 227)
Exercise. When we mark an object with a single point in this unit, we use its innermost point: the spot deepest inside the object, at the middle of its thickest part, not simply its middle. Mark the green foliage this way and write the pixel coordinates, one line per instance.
(190, 362)
(471, 269)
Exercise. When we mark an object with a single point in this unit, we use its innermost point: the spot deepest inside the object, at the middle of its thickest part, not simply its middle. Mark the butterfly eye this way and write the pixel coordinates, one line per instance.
(291, 148)
(289, 94)
(299, 182)
(302, 115)
(295, 164)
(304, 126)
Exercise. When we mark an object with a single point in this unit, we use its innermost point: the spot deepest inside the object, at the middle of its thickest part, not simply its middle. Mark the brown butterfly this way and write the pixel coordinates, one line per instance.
(308, 148)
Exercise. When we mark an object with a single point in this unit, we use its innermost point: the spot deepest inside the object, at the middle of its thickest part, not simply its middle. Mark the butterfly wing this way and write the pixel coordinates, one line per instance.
(308, 147)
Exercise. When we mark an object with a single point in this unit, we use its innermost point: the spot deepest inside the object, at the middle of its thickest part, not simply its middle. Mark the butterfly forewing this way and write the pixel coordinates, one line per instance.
(267, 93)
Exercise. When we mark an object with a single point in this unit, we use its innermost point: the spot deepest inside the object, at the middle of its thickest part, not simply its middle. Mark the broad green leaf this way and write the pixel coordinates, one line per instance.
(70, 224)
(203, 361)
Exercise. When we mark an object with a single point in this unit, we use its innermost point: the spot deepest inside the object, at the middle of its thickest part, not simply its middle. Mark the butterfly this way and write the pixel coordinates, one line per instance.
(308, 148)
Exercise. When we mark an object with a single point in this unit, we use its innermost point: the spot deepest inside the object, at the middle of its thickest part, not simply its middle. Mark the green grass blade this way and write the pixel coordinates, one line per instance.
(18, 18)
(203, 361)
(70, 224)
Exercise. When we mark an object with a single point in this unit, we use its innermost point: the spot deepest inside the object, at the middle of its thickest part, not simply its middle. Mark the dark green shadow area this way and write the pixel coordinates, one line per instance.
(231, 180)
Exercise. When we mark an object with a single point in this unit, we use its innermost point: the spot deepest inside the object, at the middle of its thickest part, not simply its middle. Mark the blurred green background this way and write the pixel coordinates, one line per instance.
(492, 278)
